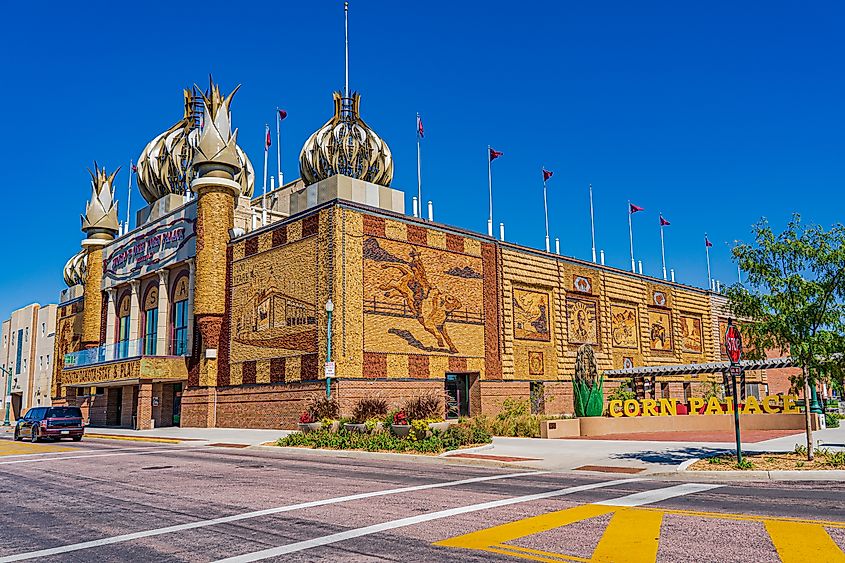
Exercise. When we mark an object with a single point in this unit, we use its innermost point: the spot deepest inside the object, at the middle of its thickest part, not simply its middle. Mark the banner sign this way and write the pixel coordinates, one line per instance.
(773, 404)
(164, 242)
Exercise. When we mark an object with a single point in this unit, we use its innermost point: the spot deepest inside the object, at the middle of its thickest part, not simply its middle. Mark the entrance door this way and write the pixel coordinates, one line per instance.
(114, 406)
(457, 395)
(177, 404)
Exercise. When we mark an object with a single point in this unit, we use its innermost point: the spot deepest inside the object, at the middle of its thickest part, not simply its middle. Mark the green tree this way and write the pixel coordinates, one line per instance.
(795, 299)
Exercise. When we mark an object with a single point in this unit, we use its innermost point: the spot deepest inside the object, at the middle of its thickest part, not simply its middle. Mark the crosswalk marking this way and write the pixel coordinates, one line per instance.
(800, 542)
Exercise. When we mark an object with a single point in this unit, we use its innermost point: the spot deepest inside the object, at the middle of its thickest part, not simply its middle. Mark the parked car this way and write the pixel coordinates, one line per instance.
(50, 422)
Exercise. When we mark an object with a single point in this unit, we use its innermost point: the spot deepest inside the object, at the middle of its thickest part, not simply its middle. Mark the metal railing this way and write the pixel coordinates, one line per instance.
(107, 353)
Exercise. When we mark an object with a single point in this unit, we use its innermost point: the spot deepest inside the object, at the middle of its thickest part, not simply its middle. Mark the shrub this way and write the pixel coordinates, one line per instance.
(745, 464)
(397, 418)
(306, 418)
(321, 407)
(624, 392)
(369, 408)
(831, 420)
(831, 458)
(428, 406)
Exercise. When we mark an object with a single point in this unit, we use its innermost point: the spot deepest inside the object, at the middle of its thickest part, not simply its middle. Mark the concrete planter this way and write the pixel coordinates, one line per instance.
(355, 427)
(439, 426)
(401, 430)
(306, 427)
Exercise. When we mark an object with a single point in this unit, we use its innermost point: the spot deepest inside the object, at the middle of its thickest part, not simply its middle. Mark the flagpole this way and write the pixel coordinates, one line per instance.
(419, 173)
(490, 188)
(129, 196)
(546, 210)
(592, 224)
(662, 247)
(707, 253)
(631, 236)
(266, 134)
(279, 149)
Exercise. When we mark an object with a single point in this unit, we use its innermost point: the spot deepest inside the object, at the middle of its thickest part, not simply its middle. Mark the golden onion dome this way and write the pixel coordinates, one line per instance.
(346, 145)
(76, 269)
(164, 164)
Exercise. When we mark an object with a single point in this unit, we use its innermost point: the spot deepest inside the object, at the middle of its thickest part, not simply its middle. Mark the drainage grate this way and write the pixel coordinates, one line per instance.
(158, 467)
(223, 445)
(609, 469)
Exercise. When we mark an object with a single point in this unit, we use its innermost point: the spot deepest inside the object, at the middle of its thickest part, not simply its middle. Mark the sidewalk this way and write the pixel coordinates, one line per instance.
(240, 436)
(641, 457)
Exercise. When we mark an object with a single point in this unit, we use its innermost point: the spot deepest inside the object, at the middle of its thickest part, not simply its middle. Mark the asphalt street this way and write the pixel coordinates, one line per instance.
(106, 500)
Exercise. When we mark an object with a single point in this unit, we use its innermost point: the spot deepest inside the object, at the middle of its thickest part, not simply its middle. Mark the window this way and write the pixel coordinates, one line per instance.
(179, 346)
(664, 390)
(123, 328)
(48, 361)
(41, 362)
(43, 329)
(19, 353)
(26, 335)
(150, 321)
(24, 364)
(80, 391)
(100, 391)
(687, 392)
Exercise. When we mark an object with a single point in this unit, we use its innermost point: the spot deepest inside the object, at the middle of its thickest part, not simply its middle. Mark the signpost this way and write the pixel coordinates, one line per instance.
(733, 348)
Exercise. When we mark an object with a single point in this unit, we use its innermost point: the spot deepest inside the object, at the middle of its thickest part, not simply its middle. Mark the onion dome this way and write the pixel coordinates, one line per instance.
(100, 219)
(76, 269)
(346, 145)
(164, 165)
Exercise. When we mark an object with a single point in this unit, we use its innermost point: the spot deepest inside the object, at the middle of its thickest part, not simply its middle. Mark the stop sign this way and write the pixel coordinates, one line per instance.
(733, 344)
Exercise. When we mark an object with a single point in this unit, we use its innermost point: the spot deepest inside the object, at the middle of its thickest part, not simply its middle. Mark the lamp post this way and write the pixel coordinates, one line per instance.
(329, 310)
(8, 398)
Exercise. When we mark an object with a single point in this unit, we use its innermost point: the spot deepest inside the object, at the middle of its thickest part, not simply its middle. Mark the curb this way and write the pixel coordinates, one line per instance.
(396, 456)
(134, 438)
(781, 475)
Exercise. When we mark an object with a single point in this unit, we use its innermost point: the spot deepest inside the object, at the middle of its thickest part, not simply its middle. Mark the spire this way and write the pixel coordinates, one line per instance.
(100, 219)
(346, 33)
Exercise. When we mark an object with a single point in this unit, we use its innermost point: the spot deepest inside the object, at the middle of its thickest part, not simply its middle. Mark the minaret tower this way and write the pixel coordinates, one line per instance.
(215, 165)
(100, 226)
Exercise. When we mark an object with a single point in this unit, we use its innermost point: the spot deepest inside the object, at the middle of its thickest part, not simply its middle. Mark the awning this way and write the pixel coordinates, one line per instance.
(696, 369)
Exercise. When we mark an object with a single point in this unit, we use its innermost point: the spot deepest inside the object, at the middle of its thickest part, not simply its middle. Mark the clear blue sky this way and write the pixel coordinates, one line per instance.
(715, 114)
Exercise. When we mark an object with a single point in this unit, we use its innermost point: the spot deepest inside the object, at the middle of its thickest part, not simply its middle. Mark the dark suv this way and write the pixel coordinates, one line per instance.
(50, 422)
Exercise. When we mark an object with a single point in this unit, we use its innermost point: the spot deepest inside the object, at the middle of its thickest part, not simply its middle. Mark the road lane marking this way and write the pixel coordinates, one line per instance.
(138, 451)
(10, 449)
(797, 543)
(658, 495)
(403, 522)
(634, 533)
(254, 514)
(77, 449)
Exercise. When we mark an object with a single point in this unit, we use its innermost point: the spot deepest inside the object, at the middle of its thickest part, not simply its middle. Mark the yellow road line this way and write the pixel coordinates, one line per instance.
(529, 526)
(632, 535)
(134, 438)
(536, 554)
(799, 542)
(746, 517)
(24, 448)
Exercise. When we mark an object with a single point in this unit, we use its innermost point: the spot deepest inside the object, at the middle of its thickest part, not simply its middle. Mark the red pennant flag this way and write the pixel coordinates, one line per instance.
(707, 242)
(420, 131)
(282, 114)
(494, 154)
(547, 174)
(634, 208)
(267, 141)
(134, 168)
(664, 222)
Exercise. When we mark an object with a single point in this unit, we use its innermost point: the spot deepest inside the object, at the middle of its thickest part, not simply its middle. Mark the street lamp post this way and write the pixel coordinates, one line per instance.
(329, 310)
(8, 398)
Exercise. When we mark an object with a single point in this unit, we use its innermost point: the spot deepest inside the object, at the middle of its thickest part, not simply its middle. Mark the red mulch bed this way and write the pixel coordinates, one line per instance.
(748, 436)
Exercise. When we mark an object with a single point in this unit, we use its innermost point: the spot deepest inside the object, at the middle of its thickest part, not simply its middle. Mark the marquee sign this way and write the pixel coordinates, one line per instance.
(162, 243)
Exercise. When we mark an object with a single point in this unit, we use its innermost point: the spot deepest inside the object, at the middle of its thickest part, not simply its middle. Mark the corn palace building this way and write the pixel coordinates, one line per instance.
(221, 308)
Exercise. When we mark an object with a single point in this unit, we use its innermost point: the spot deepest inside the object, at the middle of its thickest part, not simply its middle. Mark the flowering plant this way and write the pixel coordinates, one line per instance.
(306, 418)
(399, 418)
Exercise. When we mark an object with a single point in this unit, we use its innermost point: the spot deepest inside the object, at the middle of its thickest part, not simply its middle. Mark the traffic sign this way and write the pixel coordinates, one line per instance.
(736, 371)
(329, 369)
(733, 343)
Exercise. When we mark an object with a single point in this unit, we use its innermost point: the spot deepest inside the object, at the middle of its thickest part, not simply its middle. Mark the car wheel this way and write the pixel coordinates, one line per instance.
(33, 436)
(77, 438)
